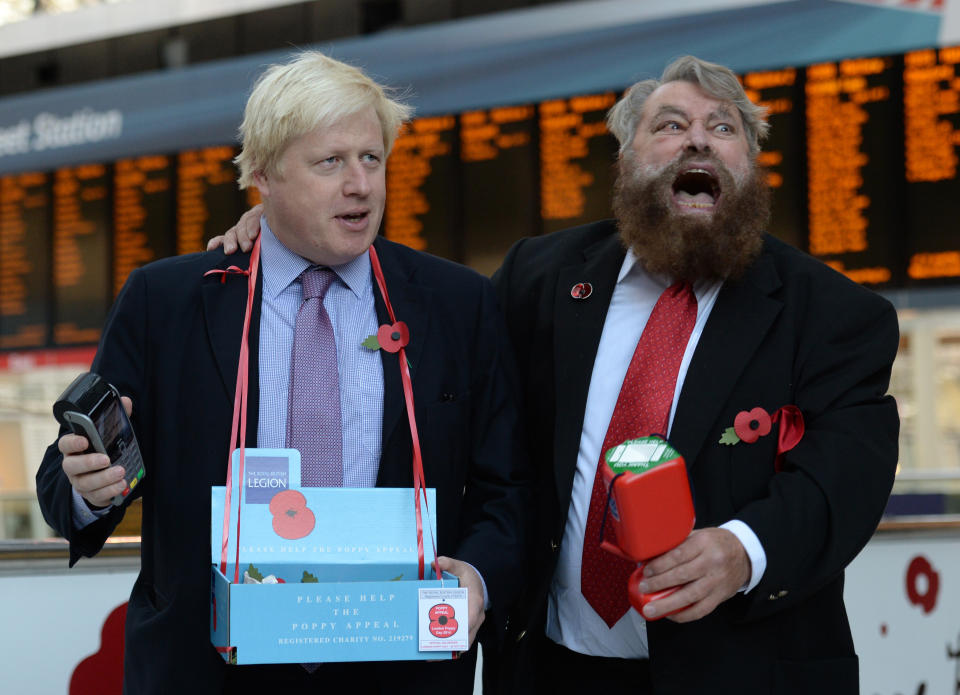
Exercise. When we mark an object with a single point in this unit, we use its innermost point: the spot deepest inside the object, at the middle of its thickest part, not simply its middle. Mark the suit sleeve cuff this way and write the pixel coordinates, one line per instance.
(82, 514)
(758, 558)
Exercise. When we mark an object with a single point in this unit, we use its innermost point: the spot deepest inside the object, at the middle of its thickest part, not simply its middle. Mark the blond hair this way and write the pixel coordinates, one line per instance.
(311, 91)
(716, 80)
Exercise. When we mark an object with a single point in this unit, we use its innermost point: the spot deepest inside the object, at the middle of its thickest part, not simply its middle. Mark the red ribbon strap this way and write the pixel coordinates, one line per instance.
(232, 270)
(238, 429)
(418, 480)
(238, 432)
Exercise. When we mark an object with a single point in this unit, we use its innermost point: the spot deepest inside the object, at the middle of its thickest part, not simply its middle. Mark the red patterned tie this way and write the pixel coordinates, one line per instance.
(643, 408)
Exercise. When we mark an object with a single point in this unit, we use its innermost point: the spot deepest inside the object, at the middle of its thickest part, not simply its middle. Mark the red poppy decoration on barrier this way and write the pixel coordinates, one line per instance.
(750, 425)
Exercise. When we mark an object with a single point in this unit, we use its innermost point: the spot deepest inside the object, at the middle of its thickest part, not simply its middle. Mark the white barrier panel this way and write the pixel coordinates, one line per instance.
(52, 621)
(903, 599)
(902, 596)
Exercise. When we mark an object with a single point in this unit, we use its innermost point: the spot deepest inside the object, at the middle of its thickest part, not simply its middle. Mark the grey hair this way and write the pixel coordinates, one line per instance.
(716, 80)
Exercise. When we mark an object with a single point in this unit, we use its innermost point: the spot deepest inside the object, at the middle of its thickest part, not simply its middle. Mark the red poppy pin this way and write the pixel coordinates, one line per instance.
(750, 425)
(389, 337)
(581, 290)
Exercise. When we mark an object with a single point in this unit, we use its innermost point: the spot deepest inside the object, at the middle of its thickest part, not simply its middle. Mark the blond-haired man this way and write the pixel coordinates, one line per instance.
(316, 136)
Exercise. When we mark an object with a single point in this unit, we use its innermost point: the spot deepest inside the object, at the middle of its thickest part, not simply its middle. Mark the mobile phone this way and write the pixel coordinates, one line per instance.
(91, 407)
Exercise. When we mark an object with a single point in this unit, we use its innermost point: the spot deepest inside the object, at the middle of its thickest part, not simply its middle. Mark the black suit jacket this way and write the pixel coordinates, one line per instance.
(172, 343)
(792, 331)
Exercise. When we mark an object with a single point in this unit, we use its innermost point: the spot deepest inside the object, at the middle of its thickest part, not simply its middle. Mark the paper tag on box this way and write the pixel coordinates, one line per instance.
(444, 624)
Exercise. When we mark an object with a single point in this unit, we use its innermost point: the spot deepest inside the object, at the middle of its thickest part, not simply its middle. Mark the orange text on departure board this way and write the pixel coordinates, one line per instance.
(133, 180)
(761, 88)
(931, 93)
(836, 95)
(566, 127)
(73, 186)
(19, 194)
(943, 264)
(484, 133)
(418, 144)
(197, 172)
(70, 190)
(873, 276)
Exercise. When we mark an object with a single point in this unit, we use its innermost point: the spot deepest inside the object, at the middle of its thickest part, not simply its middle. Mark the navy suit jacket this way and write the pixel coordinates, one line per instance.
(172, 344)
(792, 331)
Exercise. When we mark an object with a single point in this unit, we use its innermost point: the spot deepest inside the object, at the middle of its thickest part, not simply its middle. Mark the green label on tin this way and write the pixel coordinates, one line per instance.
(639, 455)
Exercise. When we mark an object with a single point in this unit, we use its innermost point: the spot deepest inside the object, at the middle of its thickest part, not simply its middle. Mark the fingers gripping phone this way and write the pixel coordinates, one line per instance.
(91, 407)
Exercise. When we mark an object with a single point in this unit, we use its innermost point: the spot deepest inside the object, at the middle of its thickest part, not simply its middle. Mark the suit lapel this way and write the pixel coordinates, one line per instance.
(411, 304)
(578, 324)
(740, 319)
(223, 306)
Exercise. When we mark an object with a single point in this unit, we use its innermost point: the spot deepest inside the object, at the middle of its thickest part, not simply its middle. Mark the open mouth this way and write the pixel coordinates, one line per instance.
(354, 221)
(696, 188)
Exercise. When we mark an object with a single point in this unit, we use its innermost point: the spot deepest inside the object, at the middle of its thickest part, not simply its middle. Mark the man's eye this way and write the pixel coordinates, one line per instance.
(724, 128)
(670, 125)
(371, 158)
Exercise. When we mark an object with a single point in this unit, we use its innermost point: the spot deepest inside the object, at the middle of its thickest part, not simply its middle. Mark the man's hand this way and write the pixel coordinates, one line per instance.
(710, 566)
(470, 579)
(91, 474)
(243, 233)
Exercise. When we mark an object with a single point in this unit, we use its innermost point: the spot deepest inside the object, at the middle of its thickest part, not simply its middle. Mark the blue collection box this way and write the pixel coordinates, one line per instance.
(344, 561)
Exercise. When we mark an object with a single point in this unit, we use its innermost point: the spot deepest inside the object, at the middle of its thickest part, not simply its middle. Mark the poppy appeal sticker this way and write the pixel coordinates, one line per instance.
(443, 620)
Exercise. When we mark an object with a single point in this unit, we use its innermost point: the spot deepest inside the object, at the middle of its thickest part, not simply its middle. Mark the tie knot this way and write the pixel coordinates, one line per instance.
(679, 294)
(316, 281)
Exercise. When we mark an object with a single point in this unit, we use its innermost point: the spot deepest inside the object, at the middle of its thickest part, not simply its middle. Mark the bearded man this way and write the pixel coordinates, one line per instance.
(731, 320)
(674, 319)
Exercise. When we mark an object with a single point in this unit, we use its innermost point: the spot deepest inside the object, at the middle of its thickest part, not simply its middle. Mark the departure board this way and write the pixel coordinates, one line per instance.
(863, 161)
(142, 214)
(577, 159)
(24, 260)
(423, 189)
(208, 199)
(853, 173)
(498, 161)
(931, 99)
(81, 252)
(782, 156)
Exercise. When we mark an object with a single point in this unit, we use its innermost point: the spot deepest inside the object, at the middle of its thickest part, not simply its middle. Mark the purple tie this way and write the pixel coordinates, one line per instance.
(313, 414)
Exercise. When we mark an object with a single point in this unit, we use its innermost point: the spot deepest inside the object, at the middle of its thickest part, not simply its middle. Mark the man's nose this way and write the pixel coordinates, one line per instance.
(356, 180)
(697, 138)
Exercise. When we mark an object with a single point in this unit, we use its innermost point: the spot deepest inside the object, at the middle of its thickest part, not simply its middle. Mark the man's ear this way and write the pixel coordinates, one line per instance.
(261, 182)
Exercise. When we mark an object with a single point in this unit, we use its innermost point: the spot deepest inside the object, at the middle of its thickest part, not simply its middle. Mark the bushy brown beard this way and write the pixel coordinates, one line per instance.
(720, 246)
